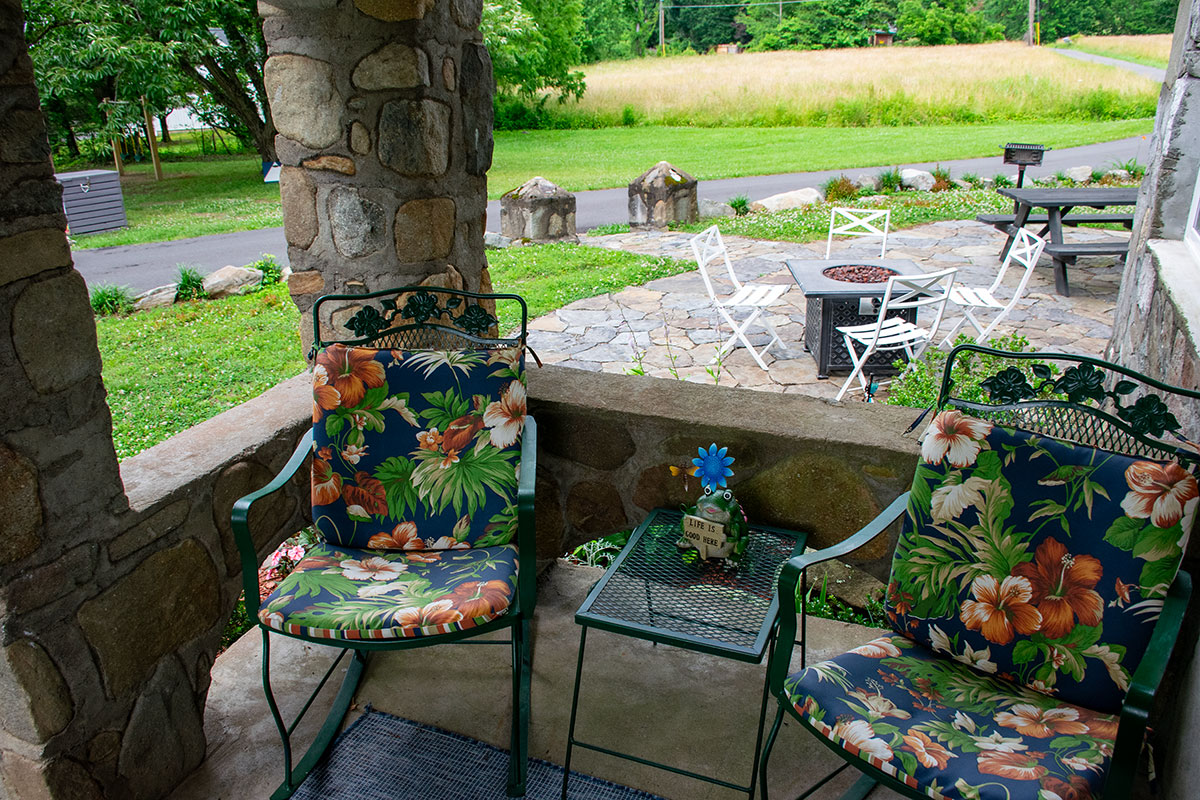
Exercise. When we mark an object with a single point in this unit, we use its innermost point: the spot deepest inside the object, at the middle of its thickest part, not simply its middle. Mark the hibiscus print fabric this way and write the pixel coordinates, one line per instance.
(416, 450)
(940, 726)
(1038, 560)
(348, 593)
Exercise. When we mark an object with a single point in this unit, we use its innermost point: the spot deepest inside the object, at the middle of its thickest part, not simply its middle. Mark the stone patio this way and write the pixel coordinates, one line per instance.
(668, 327)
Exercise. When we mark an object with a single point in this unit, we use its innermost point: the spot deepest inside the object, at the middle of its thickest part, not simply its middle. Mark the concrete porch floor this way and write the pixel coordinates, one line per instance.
(690, 710)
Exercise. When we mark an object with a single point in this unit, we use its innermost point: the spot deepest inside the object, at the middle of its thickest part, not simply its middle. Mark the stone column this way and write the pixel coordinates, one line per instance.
(384, 113)
(660, 195)
(59, 483)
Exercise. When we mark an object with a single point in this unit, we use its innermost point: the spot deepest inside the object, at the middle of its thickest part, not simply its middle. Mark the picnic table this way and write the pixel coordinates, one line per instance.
(1059, 203)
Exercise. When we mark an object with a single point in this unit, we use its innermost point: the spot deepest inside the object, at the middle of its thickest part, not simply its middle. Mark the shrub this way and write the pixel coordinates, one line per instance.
(889, 180)
(190, 285)
(629, 116)
(271, 270)
(973, 179)
(1097, 175)
(839, 188)
(1002, 181)
(1132, 167)
(919, 386)
(941, 179)
(109, 299)
(740, 205)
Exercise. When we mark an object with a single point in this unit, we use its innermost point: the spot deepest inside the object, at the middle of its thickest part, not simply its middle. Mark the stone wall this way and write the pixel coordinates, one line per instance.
(1157, 331)
(384, 113)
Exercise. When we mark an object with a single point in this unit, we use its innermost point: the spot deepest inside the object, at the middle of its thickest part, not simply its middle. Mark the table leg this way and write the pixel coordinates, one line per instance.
(1022, 216)
(762, 716)
(1060, 264)
(574, 708)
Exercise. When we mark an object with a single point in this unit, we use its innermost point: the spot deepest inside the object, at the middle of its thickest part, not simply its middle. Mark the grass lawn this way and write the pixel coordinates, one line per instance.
(169, 369)
(222, 195)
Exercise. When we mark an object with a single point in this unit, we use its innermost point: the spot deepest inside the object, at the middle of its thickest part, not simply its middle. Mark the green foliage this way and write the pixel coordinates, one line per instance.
(740, 205)
(108, 299)
(611, 228)
(919, 386)
(941, 179)
(973, 179)
(1069, 17)
(1136, 170)
(890, 181)
(839, 188)
(614, 29)
(236, 626)
(599, 552)
(533, 45)
(190, 284)
(828, 606)
(271, 270)
(816, 25)
(945, 22)
(1001, 181)
(629, 116)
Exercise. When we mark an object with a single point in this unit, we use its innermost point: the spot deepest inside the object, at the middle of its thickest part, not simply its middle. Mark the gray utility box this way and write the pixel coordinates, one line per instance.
(93, 201)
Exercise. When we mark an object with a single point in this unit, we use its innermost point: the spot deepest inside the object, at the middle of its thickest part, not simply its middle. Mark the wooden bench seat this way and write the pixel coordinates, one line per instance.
(1004, 221)
(1066, 253)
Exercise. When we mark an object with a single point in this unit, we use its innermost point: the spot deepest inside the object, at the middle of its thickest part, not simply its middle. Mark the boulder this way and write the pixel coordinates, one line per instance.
(715, 208)
(961, 184)
(231, 280)
(798, 198)
(661, 195)
(1081, 174)
(1118, 175)
(155, 298)
(867, 183)
(917, 179)
(495, 241)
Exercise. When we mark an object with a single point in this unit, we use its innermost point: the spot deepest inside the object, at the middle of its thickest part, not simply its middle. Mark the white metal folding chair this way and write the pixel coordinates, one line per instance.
(1026, 250)
(858, 222)
(749, 299)
(890, 332)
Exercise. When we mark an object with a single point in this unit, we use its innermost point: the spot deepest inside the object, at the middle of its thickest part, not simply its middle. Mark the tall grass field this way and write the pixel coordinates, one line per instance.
(1153, 49)
(857, 87)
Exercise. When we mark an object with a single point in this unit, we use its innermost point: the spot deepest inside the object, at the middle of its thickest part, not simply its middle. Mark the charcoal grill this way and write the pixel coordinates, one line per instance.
(1022, 156)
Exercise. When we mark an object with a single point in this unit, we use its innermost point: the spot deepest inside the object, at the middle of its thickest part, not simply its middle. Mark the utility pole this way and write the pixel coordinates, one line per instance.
(1031, 37)
(662, 26)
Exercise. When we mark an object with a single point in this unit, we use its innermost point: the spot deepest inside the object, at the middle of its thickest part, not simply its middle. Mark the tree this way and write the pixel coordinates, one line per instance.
(818, 25)
(944, 22)
(1059, 18)
(533, 45)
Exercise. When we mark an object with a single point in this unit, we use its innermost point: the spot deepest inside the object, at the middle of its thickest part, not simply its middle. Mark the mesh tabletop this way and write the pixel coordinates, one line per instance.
(652, 592)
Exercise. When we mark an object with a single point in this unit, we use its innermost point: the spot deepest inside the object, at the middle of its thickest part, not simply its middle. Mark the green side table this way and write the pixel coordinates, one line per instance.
(650, 592)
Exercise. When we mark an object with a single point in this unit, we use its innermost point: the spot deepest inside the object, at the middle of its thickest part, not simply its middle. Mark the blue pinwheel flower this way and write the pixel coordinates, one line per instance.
(712, 467)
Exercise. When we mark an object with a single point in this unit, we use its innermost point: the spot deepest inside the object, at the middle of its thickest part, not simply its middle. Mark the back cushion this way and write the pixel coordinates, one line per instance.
(1038, 560)
(416, 450)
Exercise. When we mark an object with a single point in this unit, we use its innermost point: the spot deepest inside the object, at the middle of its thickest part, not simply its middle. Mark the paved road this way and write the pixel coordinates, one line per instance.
(145, 266)
(1146, 71)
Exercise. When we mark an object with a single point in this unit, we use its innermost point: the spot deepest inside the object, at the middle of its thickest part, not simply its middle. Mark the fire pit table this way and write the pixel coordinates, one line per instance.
(836, 296)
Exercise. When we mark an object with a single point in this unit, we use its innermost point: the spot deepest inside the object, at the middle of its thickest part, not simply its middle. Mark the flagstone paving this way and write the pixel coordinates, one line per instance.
(668, 327)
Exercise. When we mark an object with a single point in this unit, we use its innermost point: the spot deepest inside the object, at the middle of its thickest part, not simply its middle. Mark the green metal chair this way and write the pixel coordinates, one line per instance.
(423, 465)
(1034, 598)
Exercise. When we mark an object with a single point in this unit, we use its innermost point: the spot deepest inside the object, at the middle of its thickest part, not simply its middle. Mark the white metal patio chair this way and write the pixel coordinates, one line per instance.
(749, 300)
(1026, 250)
(892, 332)
(858, 222)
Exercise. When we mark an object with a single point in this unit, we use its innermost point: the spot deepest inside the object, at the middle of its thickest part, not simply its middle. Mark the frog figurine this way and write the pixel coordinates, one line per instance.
(721, 507)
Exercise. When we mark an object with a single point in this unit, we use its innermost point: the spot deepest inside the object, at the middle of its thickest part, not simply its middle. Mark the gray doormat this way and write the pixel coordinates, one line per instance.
(381, 757)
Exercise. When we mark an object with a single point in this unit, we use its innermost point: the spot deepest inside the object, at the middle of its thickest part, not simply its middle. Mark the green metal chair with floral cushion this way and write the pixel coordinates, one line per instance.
(1034, 598)
(423, 463)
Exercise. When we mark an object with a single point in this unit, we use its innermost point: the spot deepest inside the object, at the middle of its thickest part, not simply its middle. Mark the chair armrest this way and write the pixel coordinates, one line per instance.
(241, 521)
(1135, 711)
(526, 522)
(789, 578)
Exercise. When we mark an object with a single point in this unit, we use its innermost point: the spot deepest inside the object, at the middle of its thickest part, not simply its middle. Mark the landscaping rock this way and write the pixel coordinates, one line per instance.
(496, 241)
(785, 200)
(917, 179)
(714, 208)
(960, 183)
(661, 195)
(867, 183)
(155, 298)
(539, 211)
(231, 280)
(1119, 175)
(1081, 174)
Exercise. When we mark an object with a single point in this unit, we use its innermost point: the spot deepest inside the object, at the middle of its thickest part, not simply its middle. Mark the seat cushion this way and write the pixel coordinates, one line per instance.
(1051, 557)
(349, 593)
(416, 449)
(943, 727)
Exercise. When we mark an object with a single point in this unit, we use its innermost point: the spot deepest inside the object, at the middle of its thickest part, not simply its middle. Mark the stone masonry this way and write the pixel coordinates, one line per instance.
(384, 112)
(538, 211)
(661, 195)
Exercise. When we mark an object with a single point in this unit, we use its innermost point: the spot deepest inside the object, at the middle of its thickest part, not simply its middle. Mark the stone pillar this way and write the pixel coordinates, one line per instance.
(59, 483)
(661, 195)
(384, 113)
(538, 211)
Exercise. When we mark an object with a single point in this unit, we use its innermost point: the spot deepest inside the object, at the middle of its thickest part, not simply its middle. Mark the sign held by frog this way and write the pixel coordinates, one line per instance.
(715, 526)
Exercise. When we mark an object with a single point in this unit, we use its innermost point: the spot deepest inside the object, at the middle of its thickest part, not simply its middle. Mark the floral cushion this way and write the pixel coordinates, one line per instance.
(944, 728)
(349, 593)
(416, 450)
(1038, 560)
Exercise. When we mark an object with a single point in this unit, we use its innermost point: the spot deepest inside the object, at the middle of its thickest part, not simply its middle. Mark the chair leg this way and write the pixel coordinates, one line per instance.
(518, 756)
(293, 777)
(859, 363)
(766, 754)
